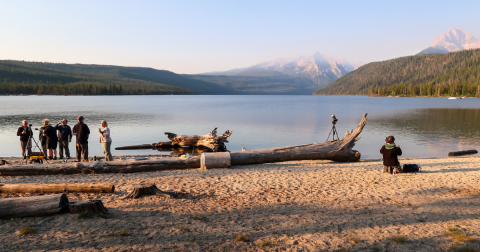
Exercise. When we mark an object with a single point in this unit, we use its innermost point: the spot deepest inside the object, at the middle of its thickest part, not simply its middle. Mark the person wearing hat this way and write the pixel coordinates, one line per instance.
(50, 133)
(81, 132)
(43, 139)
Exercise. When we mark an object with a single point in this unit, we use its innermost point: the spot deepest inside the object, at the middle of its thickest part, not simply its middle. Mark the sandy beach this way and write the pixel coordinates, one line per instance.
(289, 206)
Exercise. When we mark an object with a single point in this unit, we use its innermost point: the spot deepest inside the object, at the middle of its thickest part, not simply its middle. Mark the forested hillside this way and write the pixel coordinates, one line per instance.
(451, 74)
(19, 77)
(275, 84)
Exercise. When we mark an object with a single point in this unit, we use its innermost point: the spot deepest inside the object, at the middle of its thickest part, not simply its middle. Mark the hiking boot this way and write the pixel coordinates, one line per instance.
(51, 158)
(55, 158)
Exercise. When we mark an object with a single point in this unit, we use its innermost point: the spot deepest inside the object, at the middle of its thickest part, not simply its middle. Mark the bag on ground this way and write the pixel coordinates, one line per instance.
(411, 168)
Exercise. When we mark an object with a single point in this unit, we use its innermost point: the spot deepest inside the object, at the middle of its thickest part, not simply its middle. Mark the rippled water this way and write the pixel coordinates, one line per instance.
(424, 127)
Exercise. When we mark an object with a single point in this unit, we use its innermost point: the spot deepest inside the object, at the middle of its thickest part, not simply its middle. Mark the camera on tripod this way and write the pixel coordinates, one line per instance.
(334, 129)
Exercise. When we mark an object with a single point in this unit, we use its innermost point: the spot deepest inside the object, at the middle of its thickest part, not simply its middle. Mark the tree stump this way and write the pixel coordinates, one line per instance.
(89, 208)
(148, 190)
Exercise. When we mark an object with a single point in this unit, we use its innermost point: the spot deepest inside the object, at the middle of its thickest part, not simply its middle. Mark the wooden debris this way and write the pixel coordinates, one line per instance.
(461, 153)
(89, 208)
(56, 188)
(140, 190)
(196, 140)
(46, 205)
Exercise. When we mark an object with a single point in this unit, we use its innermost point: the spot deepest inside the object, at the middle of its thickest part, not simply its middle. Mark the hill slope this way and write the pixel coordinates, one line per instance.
(19, 77)
(456, 73)
(263, 82)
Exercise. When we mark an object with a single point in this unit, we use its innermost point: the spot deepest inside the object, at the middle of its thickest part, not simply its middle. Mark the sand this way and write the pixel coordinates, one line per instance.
(289, 206)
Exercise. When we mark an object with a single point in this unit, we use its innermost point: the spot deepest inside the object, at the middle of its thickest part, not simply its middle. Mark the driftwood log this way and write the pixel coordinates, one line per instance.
(141, 190)
(89, 208)
(96, 167)
(35, 206)
(56, 188)
(196, 140)
(461, 153)
(48, 205)
(338, 150)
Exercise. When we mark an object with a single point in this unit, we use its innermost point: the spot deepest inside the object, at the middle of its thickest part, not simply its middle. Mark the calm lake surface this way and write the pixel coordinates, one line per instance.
(423, 127)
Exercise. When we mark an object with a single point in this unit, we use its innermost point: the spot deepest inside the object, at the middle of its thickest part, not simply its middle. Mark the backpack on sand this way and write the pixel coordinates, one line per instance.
(411, 168)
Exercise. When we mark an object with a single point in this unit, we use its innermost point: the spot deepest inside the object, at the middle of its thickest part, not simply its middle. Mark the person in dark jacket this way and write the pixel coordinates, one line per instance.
(51, 134)
(81, 132)
(65, 137)
(390, 153)
(24, 133)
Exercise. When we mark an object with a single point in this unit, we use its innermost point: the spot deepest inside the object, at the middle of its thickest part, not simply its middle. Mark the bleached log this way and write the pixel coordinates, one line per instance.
(215, 160)
(338, 150)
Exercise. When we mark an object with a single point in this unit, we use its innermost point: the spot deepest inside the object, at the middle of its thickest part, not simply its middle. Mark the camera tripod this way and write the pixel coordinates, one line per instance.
(334, 129)
(29, 143)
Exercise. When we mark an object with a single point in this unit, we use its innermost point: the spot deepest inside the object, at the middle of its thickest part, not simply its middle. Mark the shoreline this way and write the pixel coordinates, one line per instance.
(289, 206)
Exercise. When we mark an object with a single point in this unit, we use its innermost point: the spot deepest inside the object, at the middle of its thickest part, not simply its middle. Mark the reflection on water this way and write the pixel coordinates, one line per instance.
(424, 127)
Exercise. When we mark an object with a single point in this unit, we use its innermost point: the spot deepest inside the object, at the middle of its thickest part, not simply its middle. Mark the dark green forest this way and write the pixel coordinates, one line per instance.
(279, 84)
(451, 74)
(37, 78)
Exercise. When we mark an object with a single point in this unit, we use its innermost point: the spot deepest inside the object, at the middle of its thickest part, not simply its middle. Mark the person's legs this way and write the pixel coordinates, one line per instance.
(23, 145)
(67, 151)
(55, 153)
(61, 144)
(44, 149)
(50, 154)
(85, 151)
(106, 151)
(79, 152)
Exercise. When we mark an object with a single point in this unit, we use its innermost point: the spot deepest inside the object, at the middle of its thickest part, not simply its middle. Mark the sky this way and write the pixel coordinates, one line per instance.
(203, 36)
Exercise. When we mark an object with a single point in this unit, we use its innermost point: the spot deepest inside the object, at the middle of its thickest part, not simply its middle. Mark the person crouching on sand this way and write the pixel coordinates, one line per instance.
(390, 153)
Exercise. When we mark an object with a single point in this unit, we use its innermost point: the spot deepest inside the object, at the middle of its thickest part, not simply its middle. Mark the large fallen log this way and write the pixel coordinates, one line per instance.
(119, 166)
(196, 140)
(337, 150)
(56, 188)
(46, 205)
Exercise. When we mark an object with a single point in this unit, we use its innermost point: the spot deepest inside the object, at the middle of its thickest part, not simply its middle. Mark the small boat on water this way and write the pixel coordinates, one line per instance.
(454, 98)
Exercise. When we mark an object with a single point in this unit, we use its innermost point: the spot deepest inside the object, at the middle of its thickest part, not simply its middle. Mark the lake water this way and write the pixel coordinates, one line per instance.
(423, 127)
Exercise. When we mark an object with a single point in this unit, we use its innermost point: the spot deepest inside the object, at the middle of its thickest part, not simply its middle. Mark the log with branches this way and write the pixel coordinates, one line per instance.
(196, 140)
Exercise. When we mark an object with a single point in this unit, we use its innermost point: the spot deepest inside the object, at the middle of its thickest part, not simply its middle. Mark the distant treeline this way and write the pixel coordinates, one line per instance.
(430, 90)
(20, 77)
(82, 88)
(451, 74)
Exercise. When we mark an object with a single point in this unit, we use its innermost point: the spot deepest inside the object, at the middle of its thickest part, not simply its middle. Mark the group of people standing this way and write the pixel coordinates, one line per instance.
(61, 135)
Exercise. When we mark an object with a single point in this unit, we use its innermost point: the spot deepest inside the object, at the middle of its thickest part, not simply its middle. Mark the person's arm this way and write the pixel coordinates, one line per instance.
(69, 134)
(74, 131)
(86, 129)
(382, 149)
(19, 131)
(398, 151)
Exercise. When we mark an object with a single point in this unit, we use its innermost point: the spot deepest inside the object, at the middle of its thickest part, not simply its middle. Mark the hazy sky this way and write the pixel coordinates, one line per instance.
(203, 36)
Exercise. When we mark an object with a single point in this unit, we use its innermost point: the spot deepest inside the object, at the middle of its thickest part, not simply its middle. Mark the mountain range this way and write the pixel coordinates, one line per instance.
(452, 40)
(308, 73)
